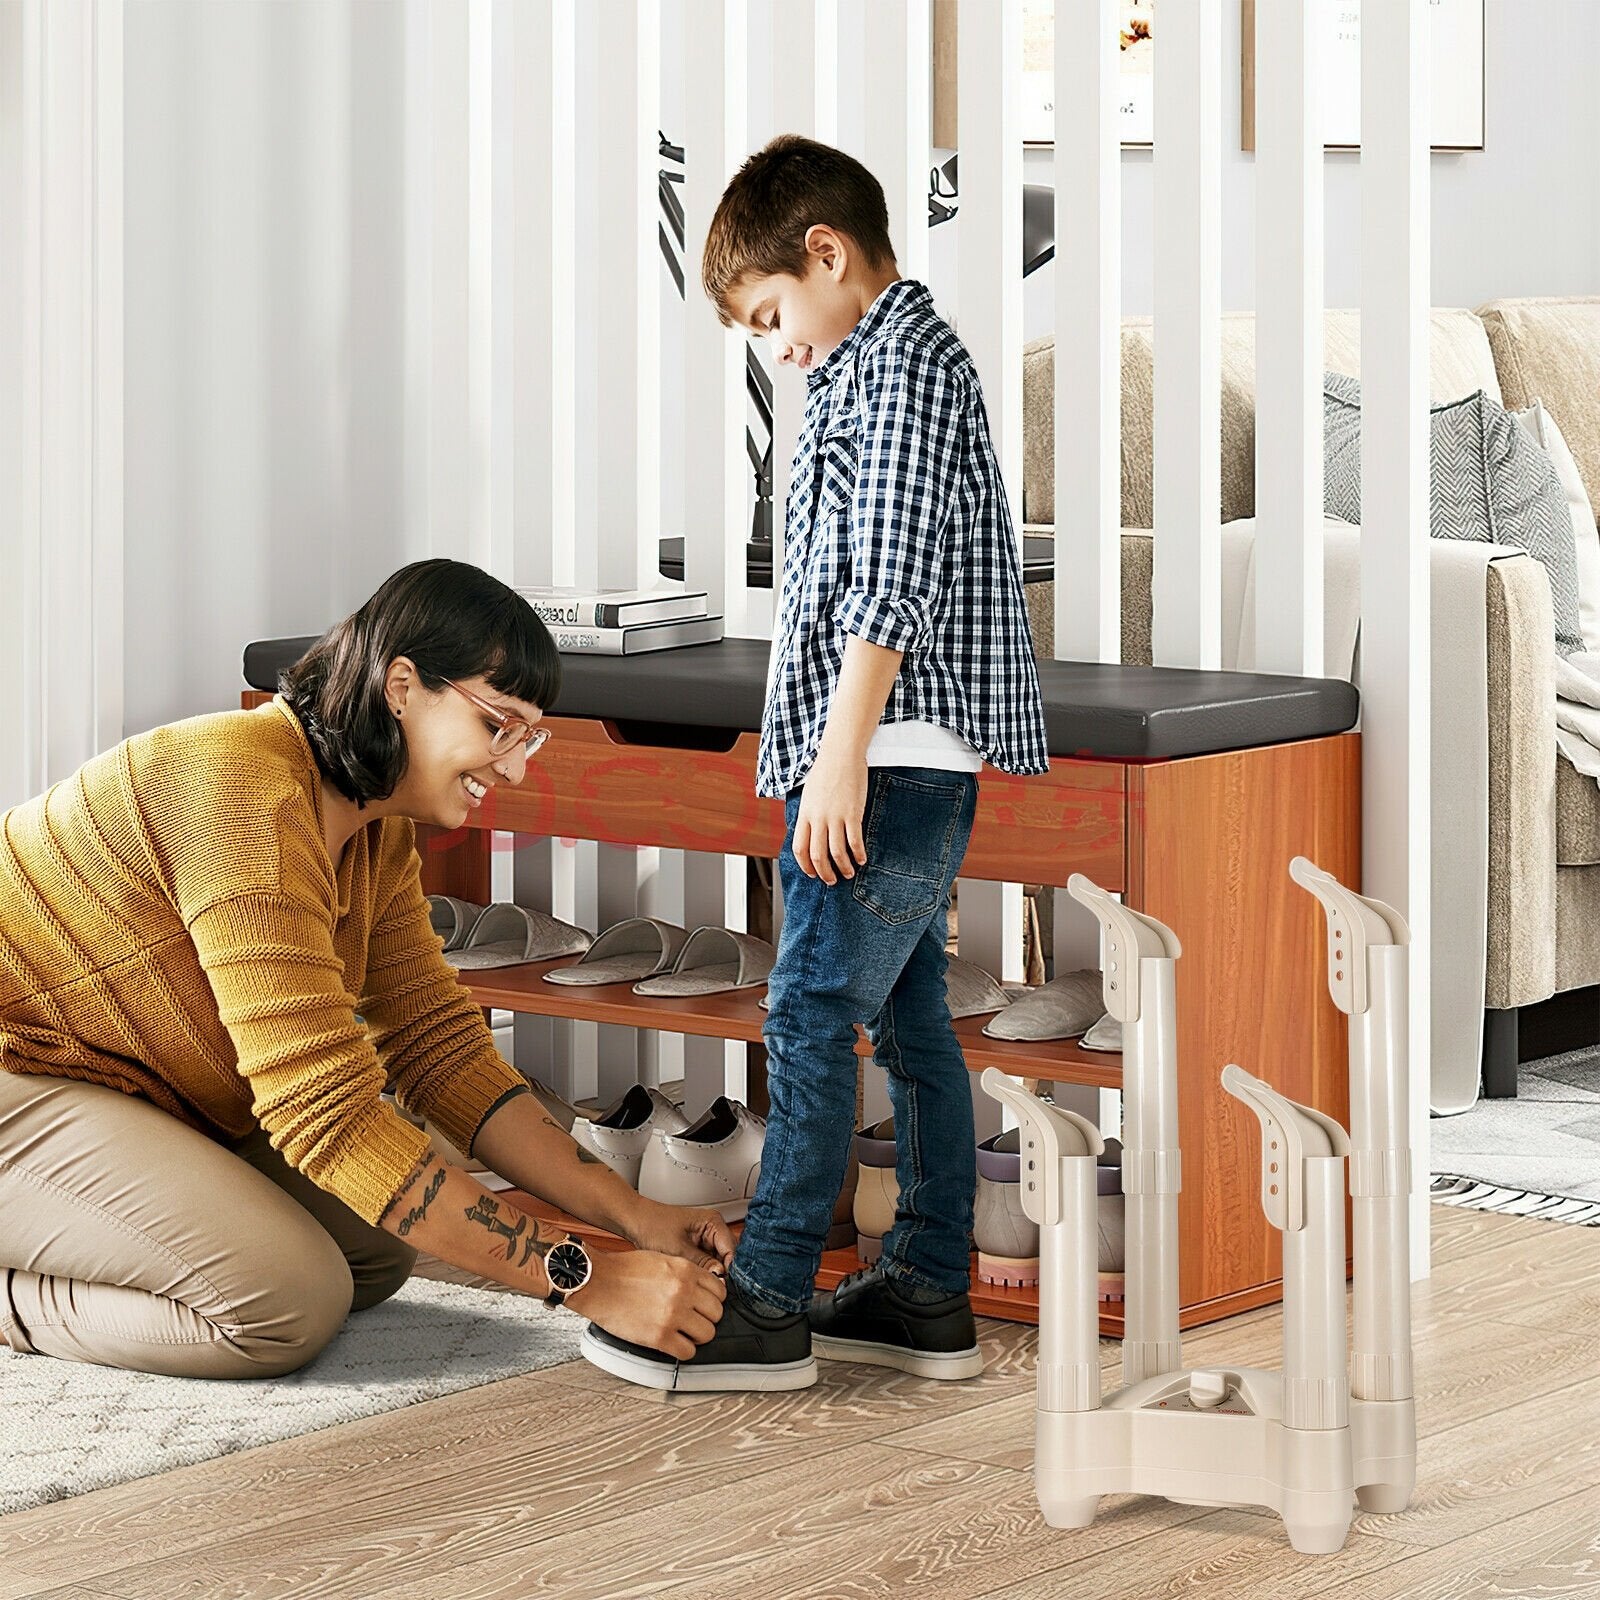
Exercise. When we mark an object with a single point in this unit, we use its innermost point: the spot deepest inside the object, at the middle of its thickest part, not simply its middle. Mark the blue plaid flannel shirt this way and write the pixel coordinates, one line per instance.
(897, 531)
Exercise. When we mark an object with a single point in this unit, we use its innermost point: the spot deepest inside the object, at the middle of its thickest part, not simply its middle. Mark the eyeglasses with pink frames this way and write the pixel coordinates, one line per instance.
(510, 731)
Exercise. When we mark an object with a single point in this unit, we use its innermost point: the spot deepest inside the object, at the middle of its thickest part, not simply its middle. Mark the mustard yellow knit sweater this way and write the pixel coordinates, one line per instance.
(171, 925)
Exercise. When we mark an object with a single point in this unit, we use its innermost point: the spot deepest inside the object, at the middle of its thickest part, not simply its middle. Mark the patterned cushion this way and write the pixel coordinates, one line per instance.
(1488, 481)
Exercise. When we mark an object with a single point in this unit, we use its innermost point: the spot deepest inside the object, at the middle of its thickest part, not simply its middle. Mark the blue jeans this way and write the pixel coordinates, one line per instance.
(868, 950)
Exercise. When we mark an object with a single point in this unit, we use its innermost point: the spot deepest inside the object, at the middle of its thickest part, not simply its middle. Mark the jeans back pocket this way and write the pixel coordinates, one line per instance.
(910, 834)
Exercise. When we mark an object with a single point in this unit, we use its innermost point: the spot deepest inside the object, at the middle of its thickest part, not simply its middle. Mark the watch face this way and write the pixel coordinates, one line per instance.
(568, 1267)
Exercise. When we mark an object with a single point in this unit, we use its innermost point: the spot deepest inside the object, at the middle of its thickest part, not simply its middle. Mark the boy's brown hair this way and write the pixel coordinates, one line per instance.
(790, 185)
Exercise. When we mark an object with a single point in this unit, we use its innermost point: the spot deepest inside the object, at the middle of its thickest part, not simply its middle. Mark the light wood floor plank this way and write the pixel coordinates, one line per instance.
(1551, 1553)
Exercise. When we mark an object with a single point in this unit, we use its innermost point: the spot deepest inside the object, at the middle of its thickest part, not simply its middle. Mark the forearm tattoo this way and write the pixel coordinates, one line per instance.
(420, 1209)
(485, 1211)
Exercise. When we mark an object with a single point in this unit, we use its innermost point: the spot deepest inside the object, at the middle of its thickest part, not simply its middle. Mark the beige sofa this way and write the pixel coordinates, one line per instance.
(1544, 822)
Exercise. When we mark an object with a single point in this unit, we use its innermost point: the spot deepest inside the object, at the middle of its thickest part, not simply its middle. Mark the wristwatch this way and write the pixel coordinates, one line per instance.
(568, 1267)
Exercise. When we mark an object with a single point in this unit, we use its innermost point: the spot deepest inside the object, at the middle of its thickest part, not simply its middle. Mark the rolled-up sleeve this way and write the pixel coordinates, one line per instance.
(905, 496)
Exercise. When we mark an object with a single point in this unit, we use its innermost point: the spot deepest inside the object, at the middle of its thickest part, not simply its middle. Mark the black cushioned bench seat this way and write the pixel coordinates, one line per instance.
(1117, 712)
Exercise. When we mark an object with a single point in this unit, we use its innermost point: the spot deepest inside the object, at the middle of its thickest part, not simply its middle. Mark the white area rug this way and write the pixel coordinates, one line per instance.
(1535, 1156)
(66, 1428)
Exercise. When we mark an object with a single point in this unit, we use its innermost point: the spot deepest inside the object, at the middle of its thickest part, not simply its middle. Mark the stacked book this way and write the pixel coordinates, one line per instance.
(623, 622)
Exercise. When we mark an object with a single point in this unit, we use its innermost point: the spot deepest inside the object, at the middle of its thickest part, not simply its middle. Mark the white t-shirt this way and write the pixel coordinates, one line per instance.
(921, 744)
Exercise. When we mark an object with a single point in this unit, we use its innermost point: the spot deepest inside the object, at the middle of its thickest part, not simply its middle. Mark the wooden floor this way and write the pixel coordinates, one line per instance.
(568, 1483)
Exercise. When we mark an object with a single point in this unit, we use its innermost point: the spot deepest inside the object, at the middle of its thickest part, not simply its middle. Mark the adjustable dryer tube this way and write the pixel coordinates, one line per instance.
(1151, 1179)
(1380, 1181)
(1069, 1304)
(1316, 1388)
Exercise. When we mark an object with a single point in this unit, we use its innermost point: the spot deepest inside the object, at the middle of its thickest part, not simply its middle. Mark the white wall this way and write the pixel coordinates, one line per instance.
(1519, 217)
(14, 769)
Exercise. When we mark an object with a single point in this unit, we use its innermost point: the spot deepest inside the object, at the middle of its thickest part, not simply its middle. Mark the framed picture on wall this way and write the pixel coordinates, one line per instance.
(1136, 38)
(1456, 51)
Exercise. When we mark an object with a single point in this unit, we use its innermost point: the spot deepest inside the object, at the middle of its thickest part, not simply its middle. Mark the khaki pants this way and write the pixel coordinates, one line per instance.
(130, 1240)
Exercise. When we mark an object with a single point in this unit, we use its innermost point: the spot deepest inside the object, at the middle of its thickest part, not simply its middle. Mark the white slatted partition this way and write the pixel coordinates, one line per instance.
(1088, 306)
(542, 50)
(1088, 399)
(1187, 584)
(988, 315)
(1289, 339)
(1395, 602)
(717, 493)
(618, 120)
(446, 401)
(788, 39)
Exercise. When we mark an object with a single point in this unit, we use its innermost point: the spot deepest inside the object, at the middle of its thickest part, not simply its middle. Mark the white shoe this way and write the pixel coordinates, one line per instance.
(621, 1134)
(715, 1163)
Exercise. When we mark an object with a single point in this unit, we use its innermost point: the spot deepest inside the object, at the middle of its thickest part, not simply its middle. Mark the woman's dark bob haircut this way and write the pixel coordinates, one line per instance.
(453, 621)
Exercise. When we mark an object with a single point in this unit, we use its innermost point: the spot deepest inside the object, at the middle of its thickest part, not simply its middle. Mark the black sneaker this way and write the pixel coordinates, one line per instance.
(868, 1319)
(749, 1350)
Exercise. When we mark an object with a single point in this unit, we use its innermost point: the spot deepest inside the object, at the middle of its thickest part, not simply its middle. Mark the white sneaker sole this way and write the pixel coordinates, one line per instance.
(947, 1366)
(672, 1376)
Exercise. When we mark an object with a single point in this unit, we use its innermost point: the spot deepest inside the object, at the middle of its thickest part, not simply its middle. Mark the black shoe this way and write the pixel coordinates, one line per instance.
(868, 1319)
(749, 1350)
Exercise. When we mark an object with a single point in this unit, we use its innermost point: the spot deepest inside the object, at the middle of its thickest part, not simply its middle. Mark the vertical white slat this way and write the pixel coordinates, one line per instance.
(488, 530)
(1187, 588)
(897, 137)
(451, 366)
(620, 85)
(717, 493)
(501, 208)
(1289, 339)
(1088, 305)
(989, 318)
(1395, 602)
(790, 68)
(844, 71)
(1088, 386)
(842, 74)
(541, 159)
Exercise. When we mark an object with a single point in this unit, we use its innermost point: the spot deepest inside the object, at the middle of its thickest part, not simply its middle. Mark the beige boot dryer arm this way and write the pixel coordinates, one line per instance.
(1140, 992)
(1367, 977)
(1058, 1193)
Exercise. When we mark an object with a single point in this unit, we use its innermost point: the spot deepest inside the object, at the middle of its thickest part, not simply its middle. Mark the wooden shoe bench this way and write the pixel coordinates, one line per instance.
(1187, 792)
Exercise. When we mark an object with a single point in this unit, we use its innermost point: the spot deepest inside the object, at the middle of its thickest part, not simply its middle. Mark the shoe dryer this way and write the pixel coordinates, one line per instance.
(1307, 1439)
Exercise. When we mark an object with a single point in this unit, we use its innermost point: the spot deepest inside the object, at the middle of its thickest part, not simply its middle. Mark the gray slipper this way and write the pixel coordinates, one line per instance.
(624, 953)
(1061, 1009)
(506, 935)
(971, 991)
(1106, 1034)
(452, 919)
(714, 961)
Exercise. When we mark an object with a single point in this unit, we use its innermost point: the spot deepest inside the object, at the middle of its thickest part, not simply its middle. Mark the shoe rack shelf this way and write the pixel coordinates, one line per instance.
(739, 1016)
(1203, 842)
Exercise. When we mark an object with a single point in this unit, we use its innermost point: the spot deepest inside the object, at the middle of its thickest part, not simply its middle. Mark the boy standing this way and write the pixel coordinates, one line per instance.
(902, 661)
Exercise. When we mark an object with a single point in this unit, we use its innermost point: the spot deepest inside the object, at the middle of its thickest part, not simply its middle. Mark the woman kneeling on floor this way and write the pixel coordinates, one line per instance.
(216, 957)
